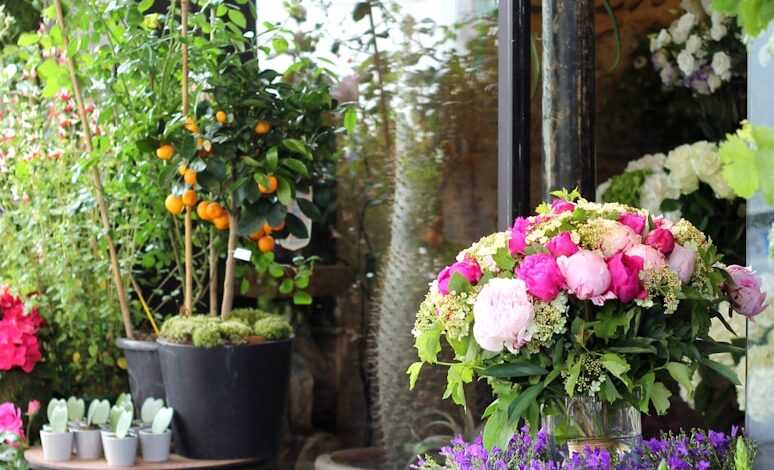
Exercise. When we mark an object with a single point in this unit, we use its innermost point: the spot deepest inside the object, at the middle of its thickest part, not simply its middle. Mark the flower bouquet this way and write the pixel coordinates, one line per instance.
(580, 312)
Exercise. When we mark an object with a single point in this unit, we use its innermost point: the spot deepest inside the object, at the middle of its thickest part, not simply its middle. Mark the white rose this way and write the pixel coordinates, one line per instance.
(663, 39)
(721, 65)
(714, 82)
(660, 60)
(668, 75)
(687, 62)
(655, 189)
(694, 44)
(681, 174)
(647, 162)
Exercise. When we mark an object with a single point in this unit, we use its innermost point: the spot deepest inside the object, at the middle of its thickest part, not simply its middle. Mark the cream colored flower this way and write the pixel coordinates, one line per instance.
(721, 65)
(681, 172)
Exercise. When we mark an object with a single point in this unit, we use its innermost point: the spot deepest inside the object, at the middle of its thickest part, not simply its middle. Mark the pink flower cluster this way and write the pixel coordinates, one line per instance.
(19, 346)
(11, 419)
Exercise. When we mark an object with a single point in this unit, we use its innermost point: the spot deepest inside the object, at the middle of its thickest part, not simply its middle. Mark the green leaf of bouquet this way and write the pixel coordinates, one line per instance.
(459, 284)
(660, 397)
(616, 365)
(739, 166)
(721, 369)
(682, 373)
(572, 378)
(513, 370)
(428, 344)
(497, 433)
(742, 459)
(646, 383)
(765, 161)
(522, 401)
(413, 373)
(608, 391)
(610, 320)
(504, 260)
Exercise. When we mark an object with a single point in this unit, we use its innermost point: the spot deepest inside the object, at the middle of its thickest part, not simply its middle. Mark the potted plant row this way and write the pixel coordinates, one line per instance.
(110, 428)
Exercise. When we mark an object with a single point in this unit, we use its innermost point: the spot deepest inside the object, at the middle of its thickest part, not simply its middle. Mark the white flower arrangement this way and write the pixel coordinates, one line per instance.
(693, 52)
(677, 173)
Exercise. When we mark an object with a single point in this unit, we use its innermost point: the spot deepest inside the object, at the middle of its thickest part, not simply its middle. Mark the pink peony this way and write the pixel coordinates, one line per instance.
(518, 241)
(559, 205)
(468, 268)
(625, 277)
(33, 407)
(682, 261)
(542, 275)
(653, 258)
(10, 419)
(562, 245)
(746, 294)
(586, 275)
(661, 239)
(502, 315)
(634, 221)
(616, 238)
(660, 221)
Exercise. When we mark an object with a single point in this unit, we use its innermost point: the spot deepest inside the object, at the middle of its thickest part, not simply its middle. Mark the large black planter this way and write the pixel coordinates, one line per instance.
(142, 360)
(229, 401)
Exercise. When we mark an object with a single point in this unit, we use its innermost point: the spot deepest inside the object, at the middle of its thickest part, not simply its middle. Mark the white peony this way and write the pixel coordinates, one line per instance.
(719, 29)
(721, 65)
(705, 159)
(719, 186)
(653, 162)
(687, 62)
(681, 172)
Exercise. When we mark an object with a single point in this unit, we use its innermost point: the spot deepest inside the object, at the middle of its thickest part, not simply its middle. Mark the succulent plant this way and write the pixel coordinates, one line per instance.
(76, 409)
(57, 416)
(99, 413)
(150, 407)
(162, 420)
(273, 328)
(123, 423)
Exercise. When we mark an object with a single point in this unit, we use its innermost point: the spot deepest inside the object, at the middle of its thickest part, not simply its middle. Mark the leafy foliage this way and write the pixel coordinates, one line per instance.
(754, 16)
(748, 158)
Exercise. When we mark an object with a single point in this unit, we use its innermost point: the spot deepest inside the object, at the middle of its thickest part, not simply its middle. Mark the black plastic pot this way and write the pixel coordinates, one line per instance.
(142, 360)
(229, 401)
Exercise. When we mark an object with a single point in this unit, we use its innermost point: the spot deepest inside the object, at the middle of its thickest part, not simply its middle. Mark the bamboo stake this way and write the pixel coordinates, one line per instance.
(188, 294)
(96, 176)
(213, 274)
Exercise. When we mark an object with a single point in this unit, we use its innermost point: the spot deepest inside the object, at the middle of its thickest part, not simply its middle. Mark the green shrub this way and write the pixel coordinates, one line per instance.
(273, 328)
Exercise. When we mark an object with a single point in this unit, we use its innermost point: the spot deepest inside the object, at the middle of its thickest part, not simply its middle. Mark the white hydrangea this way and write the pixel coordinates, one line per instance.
(694, 45)
(654, 162)
(681, 29)
(657, 187)
(668, 75)
(602, 189)
(714, 82)
(721, 65)
(681, 172)
(718, 30)
(687, 62)
(660, 60)
(704, 159)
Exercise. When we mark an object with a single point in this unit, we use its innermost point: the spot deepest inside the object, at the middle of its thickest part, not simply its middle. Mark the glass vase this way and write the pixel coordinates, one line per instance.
(584, 421)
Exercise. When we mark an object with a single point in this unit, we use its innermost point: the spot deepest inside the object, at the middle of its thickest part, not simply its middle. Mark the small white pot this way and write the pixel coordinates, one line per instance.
(120, 452)
(57, 446)
(155, 447)
(88, 443)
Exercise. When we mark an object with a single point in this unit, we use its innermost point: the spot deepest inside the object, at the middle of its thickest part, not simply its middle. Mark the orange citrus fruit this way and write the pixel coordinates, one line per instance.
(266, 244)
(201, 210)
(214, 210)
(190, 125)
(174, 204)
(181, 170)
(189, 177)
(272, 186)
(222, 222)
(221, 117)
(165, 152)
(189, 198)
(262, 128)
(257, 235)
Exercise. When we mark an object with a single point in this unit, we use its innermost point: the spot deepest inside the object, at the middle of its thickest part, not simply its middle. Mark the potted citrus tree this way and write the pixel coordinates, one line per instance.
(248, 150)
